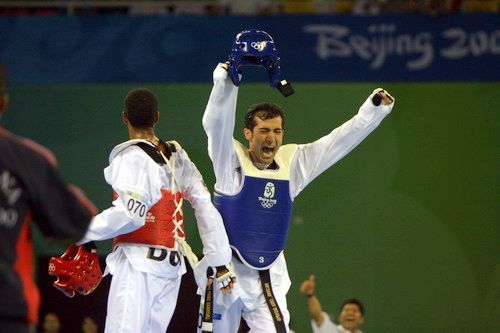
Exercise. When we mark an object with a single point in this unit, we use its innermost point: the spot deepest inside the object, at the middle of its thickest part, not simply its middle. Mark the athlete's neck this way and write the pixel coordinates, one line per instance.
(258, 165)
(145, 134)
(261, 166)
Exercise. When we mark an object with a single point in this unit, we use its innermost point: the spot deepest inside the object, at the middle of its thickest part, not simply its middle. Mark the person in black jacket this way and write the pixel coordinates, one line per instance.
(31, 189)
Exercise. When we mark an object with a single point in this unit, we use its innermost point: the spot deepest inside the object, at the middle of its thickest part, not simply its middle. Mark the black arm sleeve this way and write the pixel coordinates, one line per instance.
(56, 210)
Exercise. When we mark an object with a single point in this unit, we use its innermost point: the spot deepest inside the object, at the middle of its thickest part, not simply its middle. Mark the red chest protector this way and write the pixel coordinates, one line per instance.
(161, 226)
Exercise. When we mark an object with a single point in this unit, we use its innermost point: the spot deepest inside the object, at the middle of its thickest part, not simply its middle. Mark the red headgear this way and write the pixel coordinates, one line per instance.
(76, 270)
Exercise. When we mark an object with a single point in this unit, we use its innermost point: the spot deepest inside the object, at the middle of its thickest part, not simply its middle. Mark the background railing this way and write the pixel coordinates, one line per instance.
(245, 7)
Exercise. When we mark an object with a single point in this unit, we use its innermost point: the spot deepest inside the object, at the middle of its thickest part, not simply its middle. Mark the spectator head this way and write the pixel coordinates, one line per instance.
(89, 325)
(352, 314)
(51, 323)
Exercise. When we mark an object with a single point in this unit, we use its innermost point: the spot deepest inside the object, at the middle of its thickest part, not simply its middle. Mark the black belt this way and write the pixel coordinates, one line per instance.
(208, 308)
(272, 304)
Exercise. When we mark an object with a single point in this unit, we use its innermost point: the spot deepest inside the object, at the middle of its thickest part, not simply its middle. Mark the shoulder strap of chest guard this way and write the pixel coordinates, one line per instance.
(154, 153)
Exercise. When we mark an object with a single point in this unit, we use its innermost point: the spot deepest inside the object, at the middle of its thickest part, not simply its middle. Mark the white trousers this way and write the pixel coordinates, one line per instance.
(139, 302)
(259, 320)
(251, 304)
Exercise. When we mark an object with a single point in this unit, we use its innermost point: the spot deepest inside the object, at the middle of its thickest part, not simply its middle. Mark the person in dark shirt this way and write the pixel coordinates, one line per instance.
(31, 189)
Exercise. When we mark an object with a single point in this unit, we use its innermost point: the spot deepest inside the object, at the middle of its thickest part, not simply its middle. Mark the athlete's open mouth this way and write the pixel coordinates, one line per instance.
(267, 150)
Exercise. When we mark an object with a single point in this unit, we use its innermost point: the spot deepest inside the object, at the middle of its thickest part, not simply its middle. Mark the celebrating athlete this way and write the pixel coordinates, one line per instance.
(254, 192)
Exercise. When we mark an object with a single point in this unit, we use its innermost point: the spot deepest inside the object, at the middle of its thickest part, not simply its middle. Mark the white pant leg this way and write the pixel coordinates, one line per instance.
(225, 320)
(164, 302)
(127, 302)
(251, 304)
(260, 320)
(138, 301)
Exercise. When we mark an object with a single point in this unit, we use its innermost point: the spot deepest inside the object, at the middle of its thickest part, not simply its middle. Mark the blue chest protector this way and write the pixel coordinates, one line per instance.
(257, 219)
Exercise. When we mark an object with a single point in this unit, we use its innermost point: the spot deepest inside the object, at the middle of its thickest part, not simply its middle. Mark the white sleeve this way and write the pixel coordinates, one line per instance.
(219, 122)
(136, 179)
(210, 227)
(314, 158)
(326, 327)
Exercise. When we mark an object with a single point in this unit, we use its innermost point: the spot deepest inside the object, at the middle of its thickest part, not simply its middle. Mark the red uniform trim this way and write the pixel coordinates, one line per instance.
(24, 267)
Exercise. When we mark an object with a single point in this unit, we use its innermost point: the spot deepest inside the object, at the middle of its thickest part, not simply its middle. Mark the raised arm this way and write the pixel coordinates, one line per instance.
(314, 158)
(308, 289)
(219, 122)
(211, 229)
(210, 226)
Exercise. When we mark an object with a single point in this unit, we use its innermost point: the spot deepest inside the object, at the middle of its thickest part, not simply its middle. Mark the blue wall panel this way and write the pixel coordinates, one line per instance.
(313, 48)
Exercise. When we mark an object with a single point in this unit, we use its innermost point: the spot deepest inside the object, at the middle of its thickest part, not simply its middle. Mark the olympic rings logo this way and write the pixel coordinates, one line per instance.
(267, 204)
(259, 46)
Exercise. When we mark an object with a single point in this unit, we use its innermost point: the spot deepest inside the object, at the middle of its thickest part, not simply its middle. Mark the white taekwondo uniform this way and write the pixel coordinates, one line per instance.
(231, 166)
(145, 265)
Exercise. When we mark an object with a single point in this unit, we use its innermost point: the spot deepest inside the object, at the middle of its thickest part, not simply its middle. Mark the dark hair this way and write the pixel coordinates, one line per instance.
(140, 108)
(353, 301)
(263, 111)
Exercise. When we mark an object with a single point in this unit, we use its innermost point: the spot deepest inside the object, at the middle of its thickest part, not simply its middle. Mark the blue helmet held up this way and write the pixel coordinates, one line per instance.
(254, 48)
